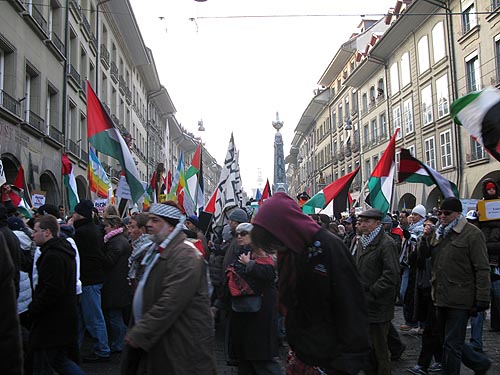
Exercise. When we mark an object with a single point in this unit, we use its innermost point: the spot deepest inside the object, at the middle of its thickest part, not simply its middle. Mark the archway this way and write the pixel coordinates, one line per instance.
(10, 166)
(48, 184)
(477, 193)
(407, 201)
(434, 199)
(82, 187)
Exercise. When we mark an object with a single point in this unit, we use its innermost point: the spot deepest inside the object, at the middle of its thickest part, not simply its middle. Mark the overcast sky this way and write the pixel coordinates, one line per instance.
(235, 73)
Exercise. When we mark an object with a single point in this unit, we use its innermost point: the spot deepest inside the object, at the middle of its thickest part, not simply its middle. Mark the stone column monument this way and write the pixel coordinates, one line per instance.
(279, 183)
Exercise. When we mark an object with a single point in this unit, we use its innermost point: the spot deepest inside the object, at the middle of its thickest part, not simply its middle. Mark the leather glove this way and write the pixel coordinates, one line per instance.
(406, 233)
(478, 307)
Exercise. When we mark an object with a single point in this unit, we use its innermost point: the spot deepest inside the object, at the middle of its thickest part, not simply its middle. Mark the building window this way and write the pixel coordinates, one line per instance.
(430, 152)
(405, 69)
(364, 103)
(423, 54)
(408, 116)
(2, 68)
(477, 151)
(469, 18)
(341, 115)
(472, 72)
(438, 42)
(394, 78)
(412, 150)
(427, 115)
(334, 120)
(446, 149)
(383, 128)
(396, 118)
(368, 169)
(497, 56)
(366, 135)
(374, 130)
(51, 110)
(443, 96)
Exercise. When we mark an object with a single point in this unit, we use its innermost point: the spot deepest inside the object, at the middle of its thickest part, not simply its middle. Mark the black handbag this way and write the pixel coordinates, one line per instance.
(248, 304)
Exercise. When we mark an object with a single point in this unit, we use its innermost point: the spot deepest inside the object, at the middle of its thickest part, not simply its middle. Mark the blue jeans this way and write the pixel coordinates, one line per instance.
(453, 325)
(495, 292)
(92, 319)
(46, 361)
(117, 329)
(476, 330)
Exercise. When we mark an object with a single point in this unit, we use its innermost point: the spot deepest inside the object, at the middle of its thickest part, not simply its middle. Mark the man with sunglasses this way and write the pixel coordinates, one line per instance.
(460, 285)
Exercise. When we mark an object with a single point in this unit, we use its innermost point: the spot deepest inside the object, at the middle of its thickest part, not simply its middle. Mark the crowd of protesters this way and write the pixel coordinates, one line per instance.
(154, 285)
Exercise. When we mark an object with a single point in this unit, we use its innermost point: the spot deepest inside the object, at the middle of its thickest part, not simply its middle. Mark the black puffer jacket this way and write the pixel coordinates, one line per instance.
(491, 231)
(12, 245)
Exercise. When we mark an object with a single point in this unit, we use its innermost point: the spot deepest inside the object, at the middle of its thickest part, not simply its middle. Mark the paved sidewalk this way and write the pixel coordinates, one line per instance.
(491, 342)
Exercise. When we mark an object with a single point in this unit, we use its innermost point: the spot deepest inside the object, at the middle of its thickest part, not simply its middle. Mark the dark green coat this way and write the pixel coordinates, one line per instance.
(378, 267)
(460, 268)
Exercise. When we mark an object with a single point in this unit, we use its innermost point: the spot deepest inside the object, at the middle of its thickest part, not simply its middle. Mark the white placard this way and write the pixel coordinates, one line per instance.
(3, 179)
(123, 190)
(38, 200)
(492, 209)
(100, 204)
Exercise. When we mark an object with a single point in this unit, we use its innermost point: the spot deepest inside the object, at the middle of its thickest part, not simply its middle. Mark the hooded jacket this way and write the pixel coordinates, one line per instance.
(491, 231)
(53, 307)
(326, 318)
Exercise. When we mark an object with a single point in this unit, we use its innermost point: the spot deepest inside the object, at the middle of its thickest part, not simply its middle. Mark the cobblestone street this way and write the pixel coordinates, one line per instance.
(491, 342)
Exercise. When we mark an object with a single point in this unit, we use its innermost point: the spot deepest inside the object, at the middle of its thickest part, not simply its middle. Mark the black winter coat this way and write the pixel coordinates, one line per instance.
(116, 292)
(53, 307)
(90, 243)
(328, 324)
(11, 362)
(14, 250)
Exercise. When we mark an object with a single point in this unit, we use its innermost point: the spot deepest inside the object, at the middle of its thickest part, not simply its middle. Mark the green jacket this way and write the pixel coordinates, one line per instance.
(378, 267)
(460, 268)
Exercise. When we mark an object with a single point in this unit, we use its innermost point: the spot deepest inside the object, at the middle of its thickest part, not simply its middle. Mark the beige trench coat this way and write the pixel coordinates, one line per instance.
(176, 330)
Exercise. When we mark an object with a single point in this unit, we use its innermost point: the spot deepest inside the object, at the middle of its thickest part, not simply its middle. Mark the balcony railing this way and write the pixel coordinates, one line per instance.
(73, 74)
(54, 38)
(76, 9)
(122, 84)
(35, 121)
(55, 134)
(84, 155)
(38, 17)
(83, 85)
(9, 103)
(86, 25)
(73, 147)
(104, 56)
(114, 72)
(128, 95)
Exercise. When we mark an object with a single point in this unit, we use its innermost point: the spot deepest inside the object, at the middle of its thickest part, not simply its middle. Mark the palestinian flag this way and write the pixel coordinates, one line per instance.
(70, 182)
(381, 181)
(479, 113)
(17, 194)
(192, 180)
(413, 170)
(266, 193)
(106, 138)
(337, 191)
(210, 207)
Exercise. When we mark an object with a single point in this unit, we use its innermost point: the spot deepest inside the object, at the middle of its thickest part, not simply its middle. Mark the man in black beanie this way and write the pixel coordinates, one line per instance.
(460, 285)
(90, 243)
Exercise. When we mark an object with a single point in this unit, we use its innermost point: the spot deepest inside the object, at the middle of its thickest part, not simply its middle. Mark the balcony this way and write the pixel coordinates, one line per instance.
(76, 9)
(74, 76)
(104, 57)
(122, 84)
(341, 155)
(128, 95)
(348, 151)
(10, 104)
(85, 25)
(115, 119)
(39, 18)
(56, 134)
(35, 121)
(73, 147)
(114, 72)
(56, 45)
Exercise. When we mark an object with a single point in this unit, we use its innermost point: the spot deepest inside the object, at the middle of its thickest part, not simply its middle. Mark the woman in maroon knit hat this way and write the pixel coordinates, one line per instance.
(319, 290)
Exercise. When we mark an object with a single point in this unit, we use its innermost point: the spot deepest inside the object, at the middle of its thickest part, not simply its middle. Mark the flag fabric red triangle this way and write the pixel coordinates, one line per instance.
(210, 207)
(383, 167)
(19, 181)
(266, 193)
(152, 182)
(197, 158)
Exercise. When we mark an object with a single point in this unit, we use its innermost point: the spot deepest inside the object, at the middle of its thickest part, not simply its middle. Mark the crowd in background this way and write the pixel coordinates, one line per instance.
(154, 285)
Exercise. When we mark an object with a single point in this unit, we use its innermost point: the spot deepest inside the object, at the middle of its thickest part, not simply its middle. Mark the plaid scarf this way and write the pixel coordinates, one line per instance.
(444, 230)
(366, 239)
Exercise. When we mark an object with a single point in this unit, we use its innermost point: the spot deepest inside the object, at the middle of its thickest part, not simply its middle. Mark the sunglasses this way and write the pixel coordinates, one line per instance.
(242, 233)
(444, 212)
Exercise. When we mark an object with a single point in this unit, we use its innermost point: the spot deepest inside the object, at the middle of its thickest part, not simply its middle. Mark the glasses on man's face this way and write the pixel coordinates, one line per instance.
(444, 212)
(242, 233)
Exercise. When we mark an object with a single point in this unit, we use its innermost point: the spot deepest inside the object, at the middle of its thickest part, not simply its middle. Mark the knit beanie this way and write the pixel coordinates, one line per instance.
(85, 208)
(451, 204)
